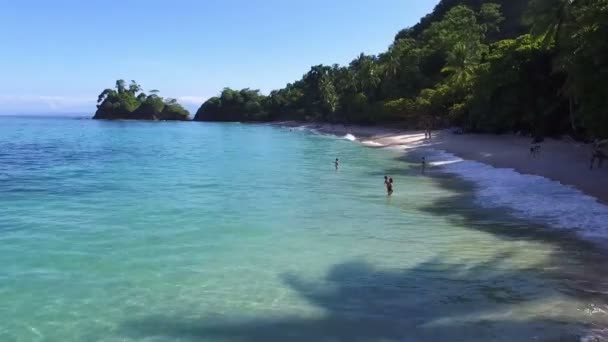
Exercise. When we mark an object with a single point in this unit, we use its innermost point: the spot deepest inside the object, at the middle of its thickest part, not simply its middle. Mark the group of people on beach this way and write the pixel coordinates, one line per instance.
(388, 181)
(599, 151)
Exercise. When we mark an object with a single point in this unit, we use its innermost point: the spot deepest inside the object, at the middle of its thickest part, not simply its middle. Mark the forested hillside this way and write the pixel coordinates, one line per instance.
(512, 10)
(532, 66)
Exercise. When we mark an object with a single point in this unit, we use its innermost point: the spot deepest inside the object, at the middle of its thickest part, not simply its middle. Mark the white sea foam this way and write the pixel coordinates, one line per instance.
(304, 128)
(350, 137)
(301, 128)
(371, 143)
(595, 335)
(531, 197)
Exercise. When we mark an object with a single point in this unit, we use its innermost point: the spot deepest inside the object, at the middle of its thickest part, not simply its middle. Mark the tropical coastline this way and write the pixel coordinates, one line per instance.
(498, 67)
(554, 188)
(443, 183)
(565, 161)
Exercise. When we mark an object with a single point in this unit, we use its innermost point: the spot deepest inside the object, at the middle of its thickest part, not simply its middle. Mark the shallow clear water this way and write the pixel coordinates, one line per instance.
(132, 231)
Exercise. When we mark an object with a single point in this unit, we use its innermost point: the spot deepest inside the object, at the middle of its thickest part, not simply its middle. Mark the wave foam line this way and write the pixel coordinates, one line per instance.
(530, 196)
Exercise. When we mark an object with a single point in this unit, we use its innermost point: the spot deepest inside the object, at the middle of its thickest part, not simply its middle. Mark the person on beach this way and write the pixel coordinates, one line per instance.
(337, 163)
(599, 153)
(428, 125)
(600, 156)
(423, 164)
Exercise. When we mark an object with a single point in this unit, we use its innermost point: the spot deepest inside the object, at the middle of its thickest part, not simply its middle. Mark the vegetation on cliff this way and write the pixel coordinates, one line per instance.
(535, 66)
(131, 103)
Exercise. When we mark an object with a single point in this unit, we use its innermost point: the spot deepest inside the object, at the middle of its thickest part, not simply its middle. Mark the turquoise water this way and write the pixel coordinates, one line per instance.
(133, 231)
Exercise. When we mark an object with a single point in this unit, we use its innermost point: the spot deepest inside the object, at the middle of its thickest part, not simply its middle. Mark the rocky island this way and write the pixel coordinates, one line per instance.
(131, 103)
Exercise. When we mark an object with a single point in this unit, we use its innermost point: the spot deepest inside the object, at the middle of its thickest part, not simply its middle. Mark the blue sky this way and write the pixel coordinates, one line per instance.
(56, 56)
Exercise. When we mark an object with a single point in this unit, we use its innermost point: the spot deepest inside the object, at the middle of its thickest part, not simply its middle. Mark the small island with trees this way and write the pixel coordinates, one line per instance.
(131, 103)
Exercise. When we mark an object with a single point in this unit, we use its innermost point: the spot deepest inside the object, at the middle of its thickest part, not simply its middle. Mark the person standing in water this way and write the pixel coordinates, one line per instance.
(389, 186)
(423, 164)
(337, 163)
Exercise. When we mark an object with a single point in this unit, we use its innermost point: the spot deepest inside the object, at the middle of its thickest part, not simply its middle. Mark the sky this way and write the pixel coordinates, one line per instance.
(57, 56)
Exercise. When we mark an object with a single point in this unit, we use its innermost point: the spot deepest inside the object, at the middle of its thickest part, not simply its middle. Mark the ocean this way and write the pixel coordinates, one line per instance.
(185, 231)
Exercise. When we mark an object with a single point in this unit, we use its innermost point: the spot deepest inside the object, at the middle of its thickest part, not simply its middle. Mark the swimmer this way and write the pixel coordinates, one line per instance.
(389, 186)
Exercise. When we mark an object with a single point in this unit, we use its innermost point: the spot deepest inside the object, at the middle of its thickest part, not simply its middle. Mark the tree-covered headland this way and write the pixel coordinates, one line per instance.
(533, 66)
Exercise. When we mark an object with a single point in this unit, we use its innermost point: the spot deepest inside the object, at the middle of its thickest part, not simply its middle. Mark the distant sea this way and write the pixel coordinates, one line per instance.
(165, 231)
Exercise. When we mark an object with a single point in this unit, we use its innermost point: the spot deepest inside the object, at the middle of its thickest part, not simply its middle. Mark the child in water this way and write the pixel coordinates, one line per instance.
(389, 186)
(337, 163)
(423, 164)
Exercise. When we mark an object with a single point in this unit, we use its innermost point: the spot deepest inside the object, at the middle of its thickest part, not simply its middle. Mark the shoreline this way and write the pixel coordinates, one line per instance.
(564, 161)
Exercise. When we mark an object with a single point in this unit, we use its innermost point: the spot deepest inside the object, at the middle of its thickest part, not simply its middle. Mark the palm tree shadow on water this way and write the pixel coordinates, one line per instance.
(437, 300)
(434, 301)
(573, 257)
(461, 208)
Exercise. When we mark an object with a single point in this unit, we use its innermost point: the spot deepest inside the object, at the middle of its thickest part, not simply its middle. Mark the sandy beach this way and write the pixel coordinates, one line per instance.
(565, 160)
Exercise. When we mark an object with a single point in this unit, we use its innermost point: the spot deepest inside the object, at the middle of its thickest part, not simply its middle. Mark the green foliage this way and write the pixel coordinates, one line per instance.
(459, 26)
(512, 10)
(233, 105)
(490, 17)
(584, 59)
(172, 110)
(549, 19)
(535, 66)
(516, 90)
(401, 109)
(133, 104)
(152, 104)
(575, 32)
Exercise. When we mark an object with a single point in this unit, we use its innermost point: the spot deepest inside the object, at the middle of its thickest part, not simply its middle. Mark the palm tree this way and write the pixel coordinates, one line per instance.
(460, 64)
(170, 101)
(121, 86)
(549, 18)
(134, 88)
(366, 72)
(394, 58)
(391, 62)
(550, 22)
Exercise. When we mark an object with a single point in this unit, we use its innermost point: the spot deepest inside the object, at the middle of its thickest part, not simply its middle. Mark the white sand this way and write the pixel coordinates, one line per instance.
(565, 161)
